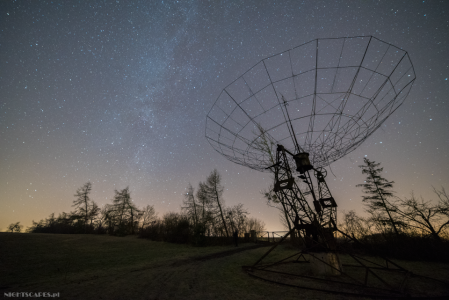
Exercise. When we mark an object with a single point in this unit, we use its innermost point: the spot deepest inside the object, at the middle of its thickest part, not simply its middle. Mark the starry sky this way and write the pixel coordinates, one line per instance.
(117, 93)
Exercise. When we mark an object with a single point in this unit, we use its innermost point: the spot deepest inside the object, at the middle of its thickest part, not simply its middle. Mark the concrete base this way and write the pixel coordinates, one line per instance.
(322, 262)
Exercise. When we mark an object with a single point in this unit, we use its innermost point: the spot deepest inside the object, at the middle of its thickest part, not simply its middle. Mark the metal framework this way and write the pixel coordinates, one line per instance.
(318, 224)
(324, 97)
(301, 110)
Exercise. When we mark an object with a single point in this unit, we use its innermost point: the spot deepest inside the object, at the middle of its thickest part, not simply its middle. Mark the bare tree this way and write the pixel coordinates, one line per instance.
(354, 225)
(149, 215)
(93, 212)
(110, 216)
(212, 190)
(254, 224)
(265, 143)
(237, 217)
(423, 215)
(443, 204)
(205, 215)
(283, 221)
(273, 201)
(102, 217)
(190, 205)
(15, 227)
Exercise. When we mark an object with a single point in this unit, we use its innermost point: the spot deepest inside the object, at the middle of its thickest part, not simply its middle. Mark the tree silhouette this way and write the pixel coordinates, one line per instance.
(237, 217)
(205, 216)
(211, 193)
(15, 227)
(190, 205)
(254, 224)
(378, 190)
(93, 212)
(426, 216)
(273, 201)
(83, 203)
(149, 215)
(125, 210)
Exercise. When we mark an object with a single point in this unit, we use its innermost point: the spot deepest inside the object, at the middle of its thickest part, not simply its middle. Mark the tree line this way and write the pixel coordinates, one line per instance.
(203, 218)
(405, 228)
(387, 216)
(392, 216)
(121, 217)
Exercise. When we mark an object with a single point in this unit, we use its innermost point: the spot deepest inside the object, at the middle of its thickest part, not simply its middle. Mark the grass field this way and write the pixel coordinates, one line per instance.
(107, 267)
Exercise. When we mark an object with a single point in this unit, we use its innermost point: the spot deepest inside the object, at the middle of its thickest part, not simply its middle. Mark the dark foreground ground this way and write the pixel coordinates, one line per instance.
(106, 267)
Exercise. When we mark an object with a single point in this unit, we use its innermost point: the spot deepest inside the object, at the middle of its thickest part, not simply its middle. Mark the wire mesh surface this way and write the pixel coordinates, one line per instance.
(324, 97)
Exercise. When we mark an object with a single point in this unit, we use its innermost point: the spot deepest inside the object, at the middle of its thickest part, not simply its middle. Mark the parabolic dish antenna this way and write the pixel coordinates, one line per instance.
(303, 109)
(324, 97)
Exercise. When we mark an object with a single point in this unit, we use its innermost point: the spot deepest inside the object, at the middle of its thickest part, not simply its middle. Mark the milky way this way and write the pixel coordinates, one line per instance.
(117, 92)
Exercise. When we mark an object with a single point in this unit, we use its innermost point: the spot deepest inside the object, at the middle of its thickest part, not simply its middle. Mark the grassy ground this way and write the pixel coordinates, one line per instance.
(105, 267)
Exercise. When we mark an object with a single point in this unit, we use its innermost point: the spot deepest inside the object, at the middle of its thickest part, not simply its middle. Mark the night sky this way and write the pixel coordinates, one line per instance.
(117, 93)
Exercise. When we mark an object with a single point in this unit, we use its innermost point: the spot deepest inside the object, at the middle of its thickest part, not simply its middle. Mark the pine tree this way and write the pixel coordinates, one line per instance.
(82, 201)
(124, 208)
(378, 190)
(211, 192)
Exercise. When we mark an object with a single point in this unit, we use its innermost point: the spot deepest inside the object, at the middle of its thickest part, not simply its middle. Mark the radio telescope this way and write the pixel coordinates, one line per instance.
(305, 108)
(324, 97)
(293, 114)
